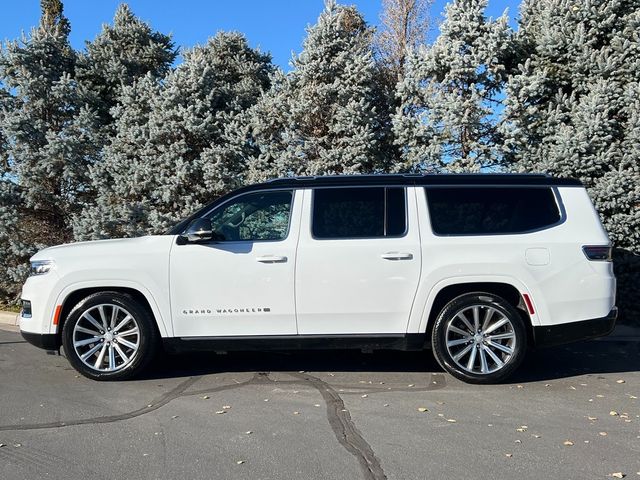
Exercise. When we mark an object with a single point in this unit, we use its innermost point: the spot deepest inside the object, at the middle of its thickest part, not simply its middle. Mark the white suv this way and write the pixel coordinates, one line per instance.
(479, 267)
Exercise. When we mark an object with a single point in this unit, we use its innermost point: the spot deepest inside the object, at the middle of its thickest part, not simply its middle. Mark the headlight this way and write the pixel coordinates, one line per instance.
(40, 267)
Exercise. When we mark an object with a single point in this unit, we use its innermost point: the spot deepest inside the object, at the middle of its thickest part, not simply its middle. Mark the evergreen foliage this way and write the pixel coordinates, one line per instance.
(44, 151)
(572, 109)
(322, 118)
(117, 141)
(447, 118)
(179, 142)
(118, 56)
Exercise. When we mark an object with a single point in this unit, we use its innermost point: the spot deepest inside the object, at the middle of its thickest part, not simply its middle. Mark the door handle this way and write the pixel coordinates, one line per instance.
(271, 259)
(397, 256)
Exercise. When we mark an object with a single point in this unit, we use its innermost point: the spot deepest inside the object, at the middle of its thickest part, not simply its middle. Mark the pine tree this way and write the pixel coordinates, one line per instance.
(572, 110)
(329, 123)
(451, 92)
(179, 142)
(118, 56)
(46, 158)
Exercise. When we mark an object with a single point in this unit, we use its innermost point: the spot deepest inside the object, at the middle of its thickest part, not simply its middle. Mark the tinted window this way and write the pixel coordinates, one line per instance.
(487, 210)
(358, 212)
(254, 216)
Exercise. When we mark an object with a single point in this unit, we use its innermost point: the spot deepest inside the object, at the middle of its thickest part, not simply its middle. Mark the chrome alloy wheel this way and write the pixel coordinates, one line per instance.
(480, 339)
(106, 338)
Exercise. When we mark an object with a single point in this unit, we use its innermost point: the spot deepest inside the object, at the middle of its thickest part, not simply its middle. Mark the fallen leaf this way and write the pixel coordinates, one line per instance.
(423, 409)
(620, 381)
(568, 443)
(602, 434)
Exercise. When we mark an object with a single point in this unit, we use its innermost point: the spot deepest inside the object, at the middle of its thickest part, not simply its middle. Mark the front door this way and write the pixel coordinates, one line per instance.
(240, 283)
(358, 262)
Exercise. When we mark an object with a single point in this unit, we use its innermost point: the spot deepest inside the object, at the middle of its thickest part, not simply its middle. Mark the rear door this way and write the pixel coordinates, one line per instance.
(358, 261)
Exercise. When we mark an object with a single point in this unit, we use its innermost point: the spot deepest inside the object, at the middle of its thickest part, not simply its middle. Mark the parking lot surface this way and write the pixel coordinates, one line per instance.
(571, 412)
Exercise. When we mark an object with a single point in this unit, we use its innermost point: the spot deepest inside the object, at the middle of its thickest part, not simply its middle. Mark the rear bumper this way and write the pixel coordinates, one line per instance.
(48, 341)
(551, 335)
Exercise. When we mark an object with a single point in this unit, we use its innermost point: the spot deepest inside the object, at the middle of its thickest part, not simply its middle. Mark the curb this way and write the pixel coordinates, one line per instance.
(8, 318)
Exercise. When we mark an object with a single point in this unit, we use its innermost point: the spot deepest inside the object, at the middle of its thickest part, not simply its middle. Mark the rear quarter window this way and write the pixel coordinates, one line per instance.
(491, 210)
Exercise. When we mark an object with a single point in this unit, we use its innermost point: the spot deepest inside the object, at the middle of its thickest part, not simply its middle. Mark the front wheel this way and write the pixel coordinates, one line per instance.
(479, 338)
(109, 336)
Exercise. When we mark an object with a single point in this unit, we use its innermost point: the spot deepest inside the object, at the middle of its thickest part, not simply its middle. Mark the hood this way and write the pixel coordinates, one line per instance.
(120, 246)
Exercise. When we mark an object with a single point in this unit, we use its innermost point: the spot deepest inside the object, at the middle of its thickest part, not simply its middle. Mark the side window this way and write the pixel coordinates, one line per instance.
(491, 210)
(253, 217)
(359, 212)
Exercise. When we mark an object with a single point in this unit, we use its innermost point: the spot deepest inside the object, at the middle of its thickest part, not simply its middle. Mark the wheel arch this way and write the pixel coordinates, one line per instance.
(72, 295)
(443, 295)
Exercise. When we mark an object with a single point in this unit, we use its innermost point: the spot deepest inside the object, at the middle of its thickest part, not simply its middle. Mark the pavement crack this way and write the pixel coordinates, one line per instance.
(345, 430)
(156, 404)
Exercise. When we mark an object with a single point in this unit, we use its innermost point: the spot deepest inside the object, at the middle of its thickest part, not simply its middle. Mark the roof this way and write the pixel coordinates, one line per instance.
(515, 179)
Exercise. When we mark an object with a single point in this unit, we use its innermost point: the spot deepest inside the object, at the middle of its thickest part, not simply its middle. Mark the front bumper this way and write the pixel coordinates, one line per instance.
(547, 336)
(48, 341)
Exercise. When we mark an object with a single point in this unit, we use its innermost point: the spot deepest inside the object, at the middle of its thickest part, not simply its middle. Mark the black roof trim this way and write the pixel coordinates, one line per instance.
(448, 179)
(515, 179)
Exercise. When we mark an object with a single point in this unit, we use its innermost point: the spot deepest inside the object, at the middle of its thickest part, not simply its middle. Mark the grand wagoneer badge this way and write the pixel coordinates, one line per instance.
(209, 311)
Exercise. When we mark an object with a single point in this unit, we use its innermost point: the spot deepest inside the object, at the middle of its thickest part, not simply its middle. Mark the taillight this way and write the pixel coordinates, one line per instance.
(597, 252)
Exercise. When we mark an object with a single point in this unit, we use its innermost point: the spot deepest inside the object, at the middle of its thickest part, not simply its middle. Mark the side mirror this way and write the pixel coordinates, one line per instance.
(199, 230)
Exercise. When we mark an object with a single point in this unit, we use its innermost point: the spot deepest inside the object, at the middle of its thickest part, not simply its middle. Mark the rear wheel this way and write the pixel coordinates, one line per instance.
(479, 338)
(109, 336)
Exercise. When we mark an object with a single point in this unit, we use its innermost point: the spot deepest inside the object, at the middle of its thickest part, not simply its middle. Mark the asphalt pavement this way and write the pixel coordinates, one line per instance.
(571, 412)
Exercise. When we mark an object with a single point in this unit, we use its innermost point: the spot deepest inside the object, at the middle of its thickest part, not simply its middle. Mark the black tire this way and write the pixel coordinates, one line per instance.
(514, 329)
(147, 337)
